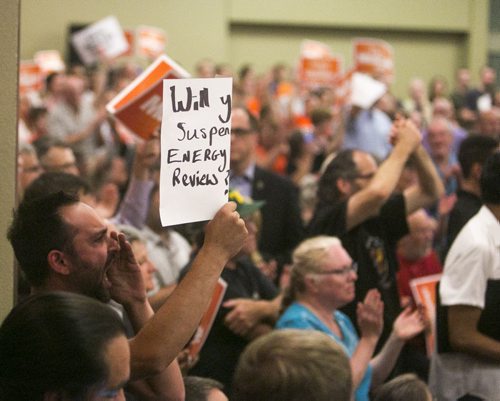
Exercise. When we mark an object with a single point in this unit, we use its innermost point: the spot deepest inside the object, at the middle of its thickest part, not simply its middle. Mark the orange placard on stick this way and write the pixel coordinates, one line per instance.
(49, 61)
(324, 72)
(130, 38)
(30, 77)
(374, 57)
(207, 320)
(318, 66)
(343, 90)
(424, 293)
(139, 105)
(151, 41)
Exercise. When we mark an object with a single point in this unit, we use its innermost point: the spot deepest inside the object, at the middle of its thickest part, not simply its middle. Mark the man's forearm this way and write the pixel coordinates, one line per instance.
(384, 361)
(166, 386)
(389, 172)
(164, 336)
(464, 336)
(429, 180)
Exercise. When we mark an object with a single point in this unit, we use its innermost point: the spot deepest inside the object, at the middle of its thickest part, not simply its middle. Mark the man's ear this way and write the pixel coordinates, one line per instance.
(476, 170)
(58, 262)
(343, 186)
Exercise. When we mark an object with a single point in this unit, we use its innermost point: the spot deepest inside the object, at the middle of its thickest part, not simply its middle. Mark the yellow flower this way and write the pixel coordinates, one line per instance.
(235, 196)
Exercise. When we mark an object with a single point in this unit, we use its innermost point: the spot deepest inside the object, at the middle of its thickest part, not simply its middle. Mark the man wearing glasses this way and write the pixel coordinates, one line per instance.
(355, 203)
(282, 227)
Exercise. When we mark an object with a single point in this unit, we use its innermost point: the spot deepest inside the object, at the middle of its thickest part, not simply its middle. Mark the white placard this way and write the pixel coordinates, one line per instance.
(195, 146)
(365, 90)
(484, 103)
(103, 38)
(49, 61)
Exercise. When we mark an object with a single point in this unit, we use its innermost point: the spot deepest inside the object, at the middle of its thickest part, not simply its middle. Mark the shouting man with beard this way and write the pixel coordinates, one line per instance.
(62, 244)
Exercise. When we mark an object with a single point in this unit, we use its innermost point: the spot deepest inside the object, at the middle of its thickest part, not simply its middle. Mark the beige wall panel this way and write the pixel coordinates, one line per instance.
(441, 15)
(8, 127)
(195, 29)
(416, 54)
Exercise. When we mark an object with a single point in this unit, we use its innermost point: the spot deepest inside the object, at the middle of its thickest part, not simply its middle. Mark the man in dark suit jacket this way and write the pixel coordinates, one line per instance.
(282, 226)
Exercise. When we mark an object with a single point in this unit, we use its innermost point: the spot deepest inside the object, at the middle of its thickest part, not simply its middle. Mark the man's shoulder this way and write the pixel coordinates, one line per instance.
(467, 203)
(271, 176)
(329, 220)
(269, 185)
(477, 235)
(466, 197)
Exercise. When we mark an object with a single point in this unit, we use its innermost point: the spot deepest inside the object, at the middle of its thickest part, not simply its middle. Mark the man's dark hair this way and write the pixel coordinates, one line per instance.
(198, 388)
(319, 116)
(475, 149)
(55, 342)
(49, 79)
(38, 228)
(490, 180)
(254, 122)
(35, 113)
(342, 166)
(52, 182)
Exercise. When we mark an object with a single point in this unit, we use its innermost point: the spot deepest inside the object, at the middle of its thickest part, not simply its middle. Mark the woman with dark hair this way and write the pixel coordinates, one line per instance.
(63, 346)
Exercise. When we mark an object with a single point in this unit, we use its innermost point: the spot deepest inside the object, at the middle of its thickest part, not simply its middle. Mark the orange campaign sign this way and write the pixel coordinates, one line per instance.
(207, 320)
(322, 72)
(151, 41)
(374, 57)
(318, 66)
(130, 38)
(343, 90)
(139, 105)
(49, 61)
(30, 77)
(424, 292)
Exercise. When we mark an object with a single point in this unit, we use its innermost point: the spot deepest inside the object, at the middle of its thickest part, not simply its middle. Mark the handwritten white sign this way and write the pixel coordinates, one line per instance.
(102, 38)
(195, 146)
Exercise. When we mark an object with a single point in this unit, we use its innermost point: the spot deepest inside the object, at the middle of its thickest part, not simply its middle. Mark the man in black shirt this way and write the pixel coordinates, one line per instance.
(355, 204)
(471, 156)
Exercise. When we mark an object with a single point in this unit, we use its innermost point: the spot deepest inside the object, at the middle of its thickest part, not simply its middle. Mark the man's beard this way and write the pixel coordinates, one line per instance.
(87, 281)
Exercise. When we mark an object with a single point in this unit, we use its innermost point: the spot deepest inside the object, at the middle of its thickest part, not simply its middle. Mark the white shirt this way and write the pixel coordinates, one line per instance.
(474, 258)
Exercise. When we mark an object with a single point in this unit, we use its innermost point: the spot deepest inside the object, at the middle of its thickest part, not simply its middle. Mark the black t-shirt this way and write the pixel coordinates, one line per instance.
(372, 244)
(220, 353)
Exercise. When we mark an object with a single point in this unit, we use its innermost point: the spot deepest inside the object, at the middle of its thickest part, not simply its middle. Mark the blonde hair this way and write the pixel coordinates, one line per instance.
(293, 365)
(307, 258)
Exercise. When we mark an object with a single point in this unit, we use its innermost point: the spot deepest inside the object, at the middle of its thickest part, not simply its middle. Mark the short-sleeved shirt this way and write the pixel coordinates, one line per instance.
(372, 245)
(297, 316)
(471, 277)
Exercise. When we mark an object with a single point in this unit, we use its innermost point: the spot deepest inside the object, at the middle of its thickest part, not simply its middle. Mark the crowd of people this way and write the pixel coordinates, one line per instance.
(333, 209)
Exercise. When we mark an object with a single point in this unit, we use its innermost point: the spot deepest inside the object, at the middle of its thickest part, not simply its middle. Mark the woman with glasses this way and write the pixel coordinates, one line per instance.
(323, 280)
